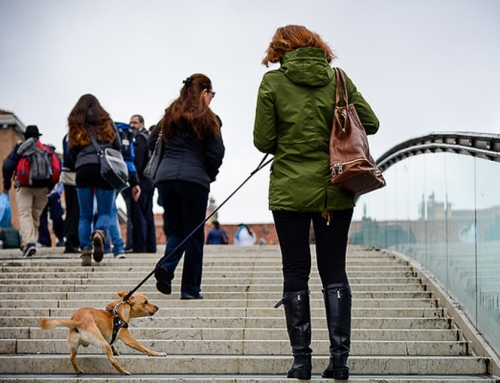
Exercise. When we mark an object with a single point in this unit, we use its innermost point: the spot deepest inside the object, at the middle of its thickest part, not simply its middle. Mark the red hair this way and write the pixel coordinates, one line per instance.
(291, 37)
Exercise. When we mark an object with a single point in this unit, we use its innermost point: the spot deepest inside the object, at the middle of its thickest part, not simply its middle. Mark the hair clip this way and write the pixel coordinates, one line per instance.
(188, 81)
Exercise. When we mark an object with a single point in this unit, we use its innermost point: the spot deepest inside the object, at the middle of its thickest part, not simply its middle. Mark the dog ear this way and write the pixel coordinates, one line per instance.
(121, 294)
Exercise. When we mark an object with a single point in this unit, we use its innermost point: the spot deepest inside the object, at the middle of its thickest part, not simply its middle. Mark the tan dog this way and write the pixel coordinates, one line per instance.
(101, 327)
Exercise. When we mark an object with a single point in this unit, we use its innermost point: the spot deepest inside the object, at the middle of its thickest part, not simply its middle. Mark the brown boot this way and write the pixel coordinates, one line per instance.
(98, 239)
(86, 258)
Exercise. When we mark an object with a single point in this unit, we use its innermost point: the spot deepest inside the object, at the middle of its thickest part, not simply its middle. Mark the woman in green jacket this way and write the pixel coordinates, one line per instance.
(293, 120)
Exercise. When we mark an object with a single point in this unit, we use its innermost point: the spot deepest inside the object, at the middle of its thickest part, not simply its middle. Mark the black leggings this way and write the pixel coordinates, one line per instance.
(293, 230)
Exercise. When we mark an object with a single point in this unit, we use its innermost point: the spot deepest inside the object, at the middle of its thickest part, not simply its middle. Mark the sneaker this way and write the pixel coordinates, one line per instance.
(120, 256)
(29, 250)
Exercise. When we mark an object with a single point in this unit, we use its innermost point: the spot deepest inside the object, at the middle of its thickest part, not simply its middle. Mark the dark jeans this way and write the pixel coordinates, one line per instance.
(55, 210)
(72, 218)
(141, 229)
(293, 230)
(185, 205)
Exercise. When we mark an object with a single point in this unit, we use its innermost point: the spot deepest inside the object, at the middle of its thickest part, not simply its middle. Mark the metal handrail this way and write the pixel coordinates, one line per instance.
(482, 145)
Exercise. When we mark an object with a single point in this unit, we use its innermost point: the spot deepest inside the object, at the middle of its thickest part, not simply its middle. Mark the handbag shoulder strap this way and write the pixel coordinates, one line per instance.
(98, 149)
(158, 139)
(341, 81)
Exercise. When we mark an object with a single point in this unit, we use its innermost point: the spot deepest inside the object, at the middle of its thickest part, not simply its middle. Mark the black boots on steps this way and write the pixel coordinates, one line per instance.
(338, 303)
(298, 323)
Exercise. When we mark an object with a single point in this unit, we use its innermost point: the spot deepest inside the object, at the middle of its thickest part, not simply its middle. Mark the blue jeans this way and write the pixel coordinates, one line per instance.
(104, 199)
(114, 234)
(185, 205)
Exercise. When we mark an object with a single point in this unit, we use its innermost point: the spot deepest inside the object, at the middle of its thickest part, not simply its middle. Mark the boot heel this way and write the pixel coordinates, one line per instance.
(299, 374)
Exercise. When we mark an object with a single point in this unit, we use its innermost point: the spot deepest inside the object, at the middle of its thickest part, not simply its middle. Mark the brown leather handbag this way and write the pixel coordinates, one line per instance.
(352, 166)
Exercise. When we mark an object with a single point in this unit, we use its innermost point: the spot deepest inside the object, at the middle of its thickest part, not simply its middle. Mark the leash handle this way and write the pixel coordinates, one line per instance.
(261, 165)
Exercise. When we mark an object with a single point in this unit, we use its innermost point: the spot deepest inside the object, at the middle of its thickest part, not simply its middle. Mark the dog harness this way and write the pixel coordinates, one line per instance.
(118, 324)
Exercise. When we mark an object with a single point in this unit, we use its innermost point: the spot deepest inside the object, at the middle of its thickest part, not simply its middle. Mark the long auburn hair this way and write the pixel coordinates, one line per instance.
(191, 109)
(88, 114)
(291, 37)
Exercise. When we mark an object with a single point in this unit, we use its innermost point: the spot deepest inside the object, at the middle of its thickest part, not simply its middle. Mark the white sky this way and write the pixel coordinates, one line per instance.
(424, 66)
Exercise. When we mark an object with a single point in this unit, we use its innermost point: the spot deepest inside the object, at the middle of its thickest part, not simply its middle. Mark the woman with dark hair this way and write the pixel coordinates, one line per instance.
(192, 154)
(293, 121)
(89, 119)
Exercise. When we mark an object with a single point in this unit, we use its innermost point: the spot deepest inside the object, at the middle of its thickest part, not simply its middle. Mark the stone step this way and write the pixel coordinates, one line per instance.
(256, 347)
(259, 322)
(354, 280)
(269, 312)
(244, 333)
(13, 299)
(243, 347)
(316, 302)
(47, 290)
(401, 334)
(217, 272)
(240, 364)
(240, 378)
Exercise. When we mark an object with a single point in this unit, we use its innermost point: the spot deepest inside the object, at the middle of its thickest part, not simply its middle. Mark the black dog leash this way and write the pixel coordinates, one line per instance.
(259, 167)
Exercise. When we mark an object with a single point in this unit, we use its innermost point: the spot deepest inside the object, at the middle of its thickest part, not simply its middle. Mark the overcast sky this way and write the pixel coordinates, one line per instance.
(424, 66)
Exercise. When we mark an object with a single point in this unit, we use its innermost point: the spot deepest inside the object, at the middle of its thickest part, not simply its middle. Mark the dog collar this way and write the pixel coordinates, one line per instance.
(118, 324)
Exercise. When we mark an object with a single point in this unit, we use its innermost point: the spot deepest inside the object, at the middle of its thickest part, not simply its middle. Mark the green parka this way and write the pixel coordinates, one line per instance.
(293, 121)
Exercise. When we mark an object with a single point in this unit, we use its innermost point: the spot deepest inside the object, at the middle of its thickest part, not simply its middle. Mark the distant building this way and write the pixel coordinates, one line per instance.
(11, 131)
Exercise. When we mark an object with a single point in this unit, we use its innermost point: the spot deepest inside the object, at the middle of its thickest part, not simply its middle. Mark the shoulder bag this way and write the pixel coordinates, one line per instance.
(113, 167)
(352, 166)
(154, 161)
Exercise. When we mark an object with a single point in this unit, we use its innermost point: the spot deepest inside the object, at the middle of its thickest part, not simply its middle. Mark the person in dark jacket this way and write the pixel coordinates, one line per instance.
(293, 120)
(71, 201)
(31, 199)
(192, 154)
(141, 228)
(89, 119)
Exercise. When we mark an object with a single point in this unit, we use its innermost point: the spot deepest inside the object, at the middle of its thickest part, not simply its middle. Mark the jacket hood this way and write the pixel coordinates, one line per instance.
(307, 66)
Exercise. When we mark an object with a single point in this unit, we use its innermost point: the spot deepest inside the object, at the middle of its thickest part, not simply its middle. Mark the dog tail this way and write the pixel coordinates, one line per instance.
(47, 324)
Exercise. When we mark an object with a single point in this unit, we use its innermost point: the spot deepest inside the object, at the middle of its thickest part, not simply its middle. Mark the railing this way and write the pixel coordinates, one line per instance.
(441, 207)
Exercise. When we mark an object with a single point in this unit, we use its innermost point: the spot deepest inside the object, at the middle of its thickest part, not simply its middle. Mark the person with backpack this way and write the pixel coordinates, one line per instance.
(37, 168)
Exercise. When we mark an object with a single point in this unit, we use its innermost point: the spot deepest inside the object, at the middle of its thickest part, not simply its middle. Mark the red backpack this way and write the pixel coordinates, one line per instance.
(38, 165)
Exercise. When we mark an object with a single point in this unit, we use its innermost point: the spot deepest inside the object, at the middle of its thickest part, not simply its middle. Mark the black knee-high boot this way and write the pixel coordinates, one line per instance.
(298, 323)
(338, 303)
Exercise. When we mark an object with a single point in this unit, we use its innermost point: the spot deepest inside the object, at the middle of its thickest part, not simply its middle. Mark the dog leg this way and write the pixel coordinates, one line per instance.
(126, 338)
(72, 358)
(73, 344)
(109, 353)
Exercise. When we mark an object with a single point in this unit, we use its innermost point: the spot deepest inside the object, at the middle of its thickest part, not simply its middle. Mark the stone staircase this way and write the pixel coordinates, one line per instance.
(401, 331)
